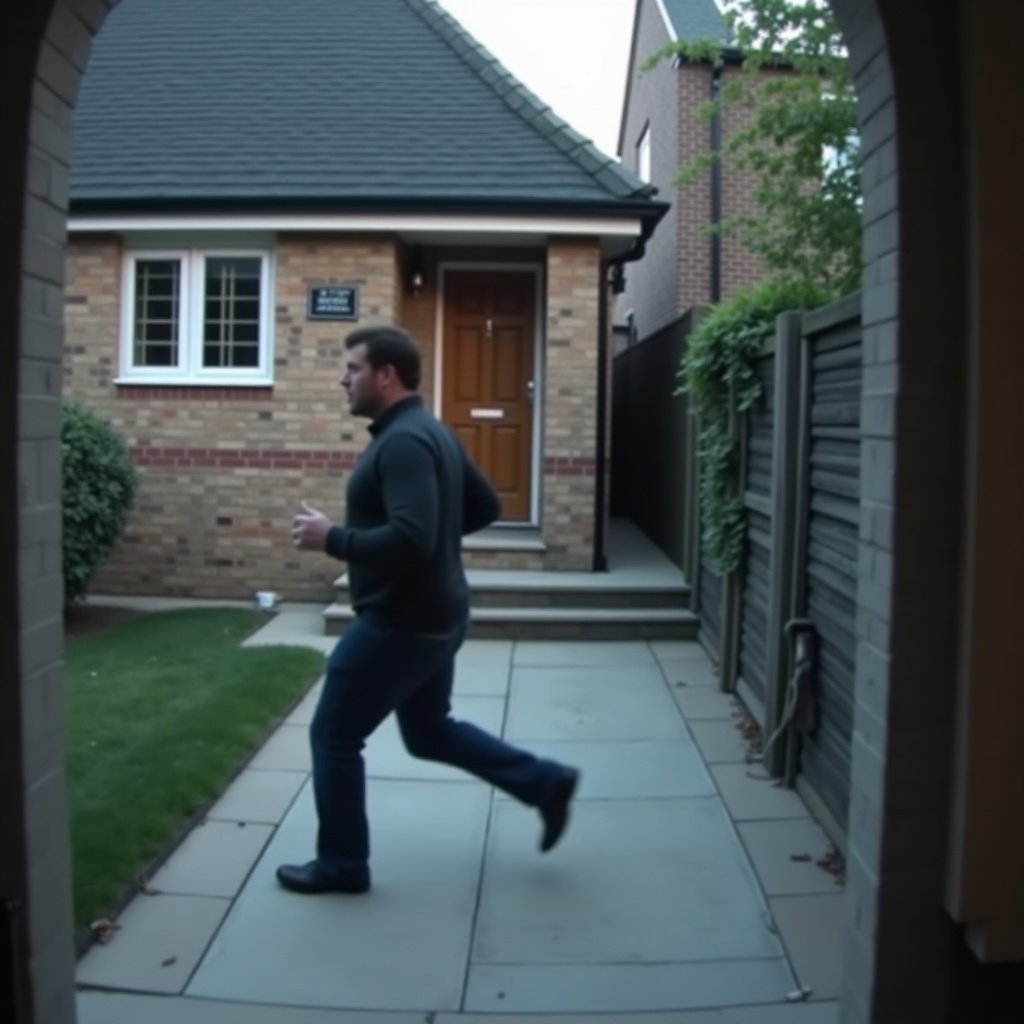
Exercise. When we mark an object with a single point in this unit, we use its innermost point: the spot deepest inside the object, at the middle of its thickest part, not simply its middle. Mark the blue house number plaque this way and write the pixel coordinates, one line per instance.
(333, 302)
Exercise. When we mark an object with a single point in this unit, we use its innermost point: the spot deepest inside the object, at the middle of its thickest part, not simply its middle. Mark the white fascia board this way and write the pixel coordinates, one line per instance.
(399, 223)
(669, 27)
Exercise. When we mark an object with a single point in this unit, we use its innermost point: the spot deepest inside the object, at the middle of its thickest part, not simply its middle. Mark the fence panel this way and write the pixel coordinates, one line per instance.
(755, 583)
(651, 441)
(710, 599)
(825, 584)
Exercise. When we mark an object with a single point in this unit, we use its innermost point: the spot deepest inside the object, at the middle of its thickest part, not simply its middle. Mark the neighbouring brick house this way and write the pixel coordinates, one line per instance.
(253, 179)
(661, 132)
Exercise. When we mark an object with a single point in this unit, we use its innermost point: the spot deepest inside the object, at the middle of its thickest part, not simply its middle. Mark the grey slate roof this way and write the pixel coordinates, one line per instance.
(341, 102)
(697, 19)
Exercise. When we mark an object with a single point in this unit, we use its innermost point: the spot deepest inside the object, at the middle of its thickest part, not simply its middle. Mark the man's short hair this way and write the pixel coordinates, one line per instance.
(389, 346)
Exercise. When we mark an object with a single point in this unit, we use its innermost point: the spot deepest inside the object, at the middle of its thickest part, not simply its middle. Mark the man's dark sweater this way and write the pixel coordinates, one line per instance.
(410, 499)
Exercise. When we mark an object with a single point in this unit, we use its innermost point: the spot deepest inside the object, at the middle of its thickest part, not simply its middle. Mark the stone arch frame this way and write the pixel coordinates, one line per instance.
(912, 413)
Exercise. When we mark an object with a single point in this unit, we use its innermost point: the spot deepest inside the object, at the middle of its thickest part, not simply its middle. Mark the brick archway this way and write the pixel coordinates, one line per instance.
(909, 341)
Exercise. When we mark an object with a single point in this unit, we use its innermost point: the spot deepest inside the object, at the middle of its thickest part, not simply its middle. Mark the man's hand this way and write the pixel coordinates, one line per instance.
(309, 528)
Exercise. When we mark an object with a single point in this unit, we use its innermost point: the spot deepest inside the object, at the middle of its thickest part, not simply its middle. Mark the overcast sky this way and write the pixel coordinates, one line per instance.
(571, 53)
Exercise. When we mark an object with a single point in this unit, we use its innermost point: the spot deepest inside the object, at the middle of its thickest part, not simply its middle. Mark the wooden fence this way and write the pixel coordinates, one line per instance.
(782, 628)
(800, 484)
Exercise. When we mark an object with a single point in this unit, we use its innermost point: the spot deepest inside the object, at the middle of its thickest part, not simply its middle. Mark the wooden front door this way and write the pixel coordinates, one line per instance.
(488, 383)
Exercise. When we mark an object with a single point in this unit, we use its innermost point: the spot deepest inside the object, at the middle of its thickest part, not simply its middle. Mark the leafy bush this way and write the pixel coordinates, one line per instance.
(99, 485)
(717, 373)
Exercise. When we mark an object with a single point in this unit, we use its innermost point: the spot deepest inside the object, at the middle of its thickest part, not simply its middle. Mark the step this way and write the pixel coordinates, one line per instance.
(559, 623)
(491, 589)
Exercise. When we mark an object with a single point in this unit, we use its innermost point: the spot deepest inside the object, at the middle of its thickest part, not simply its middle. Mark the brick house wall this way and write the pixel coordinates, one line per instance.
(739, 267)
(675, 274)
(223, 469)
(570, 406)
(692, 202)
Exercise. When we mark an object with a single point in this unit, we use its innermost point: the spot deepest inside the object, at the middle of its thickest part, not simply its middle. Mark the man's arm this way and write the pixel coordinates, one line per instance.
(409, 489)
(480, 502)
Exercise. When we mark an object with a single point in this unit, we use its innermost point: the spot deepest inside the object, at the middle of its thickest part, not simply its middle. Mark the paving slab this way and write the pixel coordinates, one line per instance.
(571, 703)
(214, 860)
(490, 653)
(633, 881)
(811, 928)
(690, 672)
(627, 769)
(482, 678)
(158, 945)
(329, 950)
(120, 1008)
(116, 1008)
(788, 1013)
(618, 987)
(287, 750)
(750, 796)
(257, 796)
(646, 1017)
(678, 650)
(778, 1013)
(581, 654)
(294, 625)
(704, 703)
(785, 855)
(719, 741)
(304, 710)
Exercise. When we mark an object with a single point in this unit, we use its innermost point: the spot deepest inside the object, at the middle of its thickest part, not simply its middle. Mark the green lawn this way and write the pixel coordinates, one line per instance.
(163, 709)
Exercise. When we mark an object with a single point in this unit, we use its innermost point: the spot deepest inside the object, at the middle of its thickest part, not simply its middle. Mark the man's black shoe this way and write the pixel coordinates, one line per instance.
(311, 878)
(555, 810)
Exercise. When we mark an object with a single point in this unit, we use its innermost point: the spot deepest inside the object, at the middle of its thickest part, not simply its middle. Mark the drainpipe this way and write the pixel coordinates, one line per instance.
(716, 187)
(601, 455)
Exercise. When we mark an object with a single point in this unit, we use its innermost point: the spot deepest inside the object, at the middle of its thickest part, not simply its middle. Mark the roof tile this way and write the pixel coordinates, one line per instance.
(337, 101)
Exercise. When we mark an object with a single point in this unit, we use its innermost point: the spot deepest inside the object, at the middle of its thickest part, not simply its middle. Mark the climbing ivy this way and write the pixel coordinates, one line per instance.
(717, 373)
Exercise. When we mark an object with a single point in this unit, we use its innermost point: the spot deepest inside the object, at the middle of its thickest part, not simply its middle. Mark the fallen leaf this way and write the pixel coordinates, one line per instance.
(103, 930)
(834, 864)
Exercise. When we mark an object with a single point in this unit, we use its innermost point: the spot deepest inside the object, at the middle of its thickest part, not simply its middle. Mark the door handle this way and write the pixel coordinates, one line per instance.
(531, 392)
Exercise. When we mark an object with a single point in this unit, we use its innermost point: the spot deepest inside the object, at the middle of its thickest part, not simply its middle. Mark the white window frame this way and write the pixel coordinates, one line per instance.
(189, 369)
(643, 154)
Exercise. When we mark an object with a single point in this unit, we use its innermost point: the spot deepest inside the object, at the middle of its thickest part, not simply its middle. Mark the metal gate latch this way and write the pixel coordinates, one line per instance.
(802, 635)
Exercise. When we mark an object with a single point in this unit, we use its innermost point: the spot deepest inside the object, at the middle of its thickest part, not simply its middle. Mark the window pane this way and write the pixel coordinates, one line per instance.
(244, 356)
(157, 312)
(231, 312)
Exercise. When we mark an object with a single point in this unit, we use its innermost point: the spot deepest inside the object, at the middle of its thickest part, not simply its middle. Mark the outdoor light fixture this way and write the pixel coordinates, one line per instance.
(415, 272)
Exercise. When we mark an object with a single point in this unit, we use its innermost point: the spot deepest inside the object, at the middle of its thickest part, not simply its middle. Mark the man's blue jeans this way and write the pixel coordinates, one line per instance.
(375, 669)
